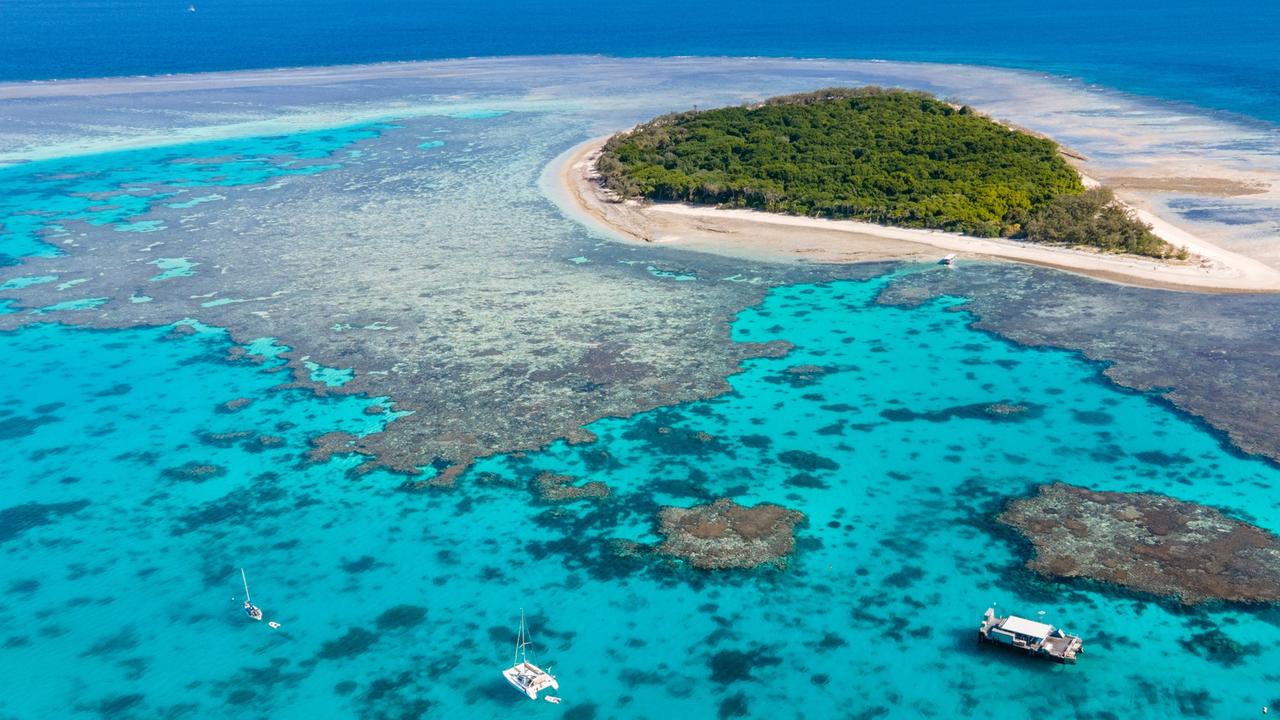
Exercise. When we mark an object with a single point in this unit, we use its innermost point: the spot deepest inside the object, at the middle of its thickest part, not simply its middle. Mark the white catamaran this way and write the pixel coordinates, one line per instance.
(524, 675)
(249, 608)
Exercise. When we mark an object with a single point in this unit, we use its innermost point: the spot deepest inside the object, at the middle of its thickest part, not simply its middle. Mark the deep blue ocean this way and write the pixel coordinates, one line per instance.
(1216, 55)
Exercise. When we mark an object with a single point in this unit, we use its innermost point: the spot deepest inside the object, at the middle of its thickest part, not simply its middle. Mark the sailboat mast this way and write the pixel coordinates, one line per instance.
(515, 656)
(246, 584)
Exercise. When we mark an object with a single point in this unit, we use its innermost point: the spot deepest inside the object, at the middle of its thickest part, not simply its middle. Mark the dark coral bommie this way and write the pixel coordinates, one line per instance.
(400, 617)
(1149, 543)
(1003, 408)
(560, 488)
(355, 642)
(20, 518)
(194, 472)
(224, 439)
(236, 404)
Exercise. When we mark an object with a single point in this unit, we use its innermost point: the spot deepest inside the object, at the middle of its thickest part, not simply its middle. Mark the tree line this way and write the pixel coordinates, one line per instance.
(887, 156)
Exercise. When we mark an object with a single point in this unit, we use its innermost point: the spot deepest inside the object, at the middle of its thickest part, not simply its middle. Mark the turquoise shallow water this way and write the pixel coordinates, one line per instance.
(42, 202)
(131, 501)
(134, 492)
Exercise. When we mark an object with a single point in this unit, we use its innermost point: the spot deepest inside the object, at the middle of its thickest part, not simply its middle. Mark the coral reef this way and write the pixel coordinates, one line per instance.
(726, 535)
(236, 404)
(1147, 542)
(324, 447)
(1002, 408)
(560, 488)
(194, 472)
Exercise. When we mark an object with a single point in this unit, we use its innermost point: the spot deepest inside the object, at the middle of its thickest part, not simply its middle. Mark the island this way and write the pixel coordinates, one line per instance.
(865, 174)
(891, 157)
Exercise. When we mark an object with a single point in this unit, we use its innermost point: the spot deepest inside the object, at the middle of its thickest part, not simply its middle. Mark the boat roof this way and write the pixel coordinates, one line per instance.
(1023, 626)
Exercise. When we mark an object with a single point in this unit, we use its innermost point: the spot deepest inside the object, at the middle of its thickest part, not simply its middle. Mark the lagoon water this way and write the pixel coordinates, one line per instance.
(135, 494)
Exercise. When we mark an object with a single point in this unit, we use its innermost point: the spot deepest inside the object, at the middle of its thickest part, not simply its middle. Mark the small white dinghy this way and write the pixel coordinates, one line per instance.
(524, 675)
(249, 608)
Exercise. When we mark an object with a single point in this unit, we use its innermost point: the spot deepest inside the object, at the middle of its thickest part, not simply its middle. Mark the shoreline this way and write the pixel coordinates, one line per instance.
(757, 235)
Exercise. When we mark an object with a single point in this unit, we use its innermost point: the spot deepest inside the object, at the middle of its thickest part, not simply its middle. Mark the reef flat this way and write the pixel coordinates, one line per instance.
(393, 223)
(486, 334)
(1210, 356)
(1151, 543)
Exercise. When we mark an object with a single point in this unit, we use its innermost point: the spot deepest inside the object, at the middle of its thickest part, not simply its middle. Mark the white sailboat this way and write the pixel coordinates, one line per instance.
(524, 675)
(249, 608)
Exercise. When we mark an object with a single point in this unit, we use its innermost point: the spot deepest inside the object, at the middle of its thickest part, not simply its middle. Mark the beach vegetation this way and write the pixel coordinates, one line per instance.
(1095, 218)
(892, 157)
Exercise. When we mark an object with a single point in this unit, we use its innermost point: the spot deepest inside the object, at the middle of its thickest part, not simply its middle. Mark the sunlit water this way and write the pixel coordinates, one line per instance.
(130, 511)
(1221, 56)
(134, 492)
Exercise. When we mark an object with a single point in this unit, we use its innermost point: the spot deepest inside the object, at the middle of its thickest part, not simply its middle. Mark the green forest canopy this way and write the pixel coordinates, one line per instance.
(892, 157)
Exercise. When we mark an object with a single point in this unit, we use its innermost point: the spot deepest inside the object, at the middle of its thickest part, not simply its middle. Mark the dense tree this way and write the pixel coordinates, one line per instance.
(1095, 218)
(886, 156)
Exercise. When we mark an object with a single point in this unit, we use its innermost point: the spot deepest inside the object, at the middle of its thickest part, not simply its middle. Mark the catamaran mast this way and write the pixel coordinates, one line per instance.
(516, 656)
(246, 585)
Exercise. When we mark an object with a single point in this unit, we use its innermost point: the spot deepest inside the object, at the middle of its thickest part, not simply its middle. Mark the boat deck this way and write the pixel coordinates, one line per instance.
(1034, 638)
(530, 679)
(1062, 647)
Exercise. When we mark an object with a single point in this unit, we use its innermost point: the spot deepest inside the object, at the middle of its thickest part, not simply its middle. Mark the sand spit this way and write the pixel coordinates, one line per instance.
(768, 236)
(1218, 187)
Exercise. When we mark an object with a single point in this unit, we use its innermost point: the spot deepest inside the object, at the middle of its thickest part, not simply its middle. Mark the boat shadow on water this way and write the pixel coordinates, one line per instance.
(499, 693)
(964, 642)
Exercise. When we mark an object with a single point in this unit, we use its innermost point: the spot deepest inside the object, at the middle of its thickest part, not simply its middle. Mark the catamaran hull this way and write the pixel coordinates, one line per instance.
(532, 695)
(530, 679)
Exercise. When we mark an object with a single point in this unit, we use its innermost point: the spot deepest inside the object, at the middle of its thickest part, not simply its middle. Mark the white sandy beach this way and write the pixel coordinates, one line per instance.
(768, 236)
